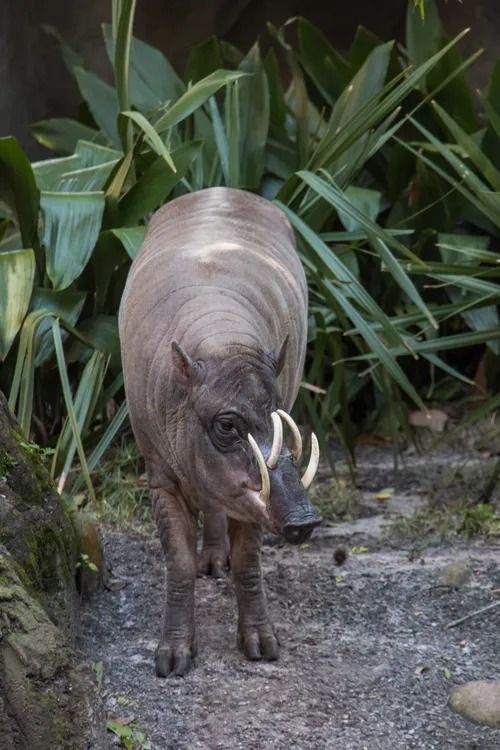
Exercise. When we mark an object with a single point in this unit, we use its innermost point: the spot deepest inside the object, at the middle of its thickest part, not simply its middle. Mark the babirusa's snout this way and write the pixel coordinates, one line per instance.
(299, 530)
(274, 453)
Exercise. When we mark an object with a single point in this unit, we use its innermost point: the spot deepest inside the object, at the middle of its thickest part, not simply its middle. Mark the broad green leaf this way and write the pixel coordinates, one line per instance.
(101, 331)
(423, 32)
(131, 239)
(87, 180)
(364, 86)
(327, 69)
(277, 103)
(17, 272)
(93, 154)
(102, 102)
(363, 44)
(367, 202)
(297, 98)
(203, 60)
(156, 183)
(108, 257)
(48, 173)
(66, 304)
(230, 53)
(62, 134)
(71, 225)
(253, 119)
(465, 248)
(18, 188)
(85, 170)
(195, 97)
(453, 90)
(152, 80)
(152, 137)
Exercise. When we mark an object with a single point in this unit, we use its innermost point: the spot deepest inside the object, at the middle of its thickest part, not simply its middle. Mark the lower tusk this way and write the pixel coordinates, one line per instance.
(312, 467)
(265, 490)
(297, 440)
(277, 441)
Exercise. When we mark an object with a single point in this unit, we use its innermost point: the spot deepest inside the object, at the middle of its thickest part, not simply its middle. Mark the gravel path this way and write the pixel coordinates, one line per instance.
(366, 662)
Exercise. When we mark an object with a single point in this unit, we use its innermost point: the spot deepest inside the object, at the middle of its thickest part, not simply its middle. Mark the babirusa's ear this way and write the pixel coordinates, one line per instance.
(278, 355)
(187, 367)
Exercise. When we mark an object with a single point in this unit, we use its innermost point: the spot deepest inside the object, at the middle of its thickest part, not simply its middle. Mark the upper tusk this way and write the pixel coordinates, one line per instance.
(274, 454)
(265, 490)
(297, 440)
(312, 467)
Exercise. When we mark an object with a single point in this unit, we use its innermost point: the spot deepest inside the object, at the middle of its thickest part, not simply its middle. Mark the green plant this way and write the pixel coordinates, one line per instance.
(336, 148)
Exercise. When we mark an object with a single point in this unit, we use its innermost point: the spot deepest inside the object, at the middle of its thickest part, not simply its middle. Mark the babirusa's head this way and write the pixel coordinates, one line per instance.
(241, 451)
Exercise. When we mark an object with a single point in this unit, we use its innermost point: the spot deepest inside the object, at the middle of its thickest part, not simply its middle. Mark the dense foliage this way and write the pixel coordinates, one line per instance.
(386, 170)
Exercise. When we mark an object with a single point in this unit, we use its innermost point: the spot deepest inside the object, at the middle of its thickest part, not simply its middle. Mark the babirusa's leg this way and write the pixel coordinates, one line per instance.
(177, 528)
(256, 636)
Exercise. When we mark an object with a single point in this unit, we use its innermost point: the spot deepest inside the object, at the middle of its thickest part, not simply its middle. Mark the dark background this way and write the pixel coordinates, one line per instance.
(34, 84)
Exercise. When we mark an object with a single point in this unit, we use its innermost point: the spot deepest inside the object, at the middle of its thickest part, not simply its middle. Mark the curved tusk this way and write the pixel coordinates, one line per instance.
(312, 467)
(274, 454)
(265, 490)
(297, 440)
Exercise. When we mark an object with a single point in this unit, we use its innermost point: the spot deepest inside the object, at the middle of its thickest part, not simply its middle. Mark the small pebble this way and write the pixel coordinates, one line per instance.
(455, 575)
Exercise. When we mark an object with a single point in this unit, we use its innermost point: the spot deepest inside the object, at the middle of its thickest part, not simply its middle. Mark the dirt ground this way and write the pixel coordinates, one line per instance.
(366, 660)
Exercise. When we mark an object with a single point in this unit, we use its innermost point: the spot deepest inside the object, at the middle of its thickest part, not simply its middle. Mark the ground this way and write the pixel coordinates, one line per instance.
(366, 659)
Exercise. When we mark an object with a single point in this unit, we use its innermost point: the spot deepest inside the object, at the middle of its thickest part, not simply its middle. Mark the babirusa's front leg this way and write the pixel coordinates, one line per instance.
(256, 636)
(177, 528)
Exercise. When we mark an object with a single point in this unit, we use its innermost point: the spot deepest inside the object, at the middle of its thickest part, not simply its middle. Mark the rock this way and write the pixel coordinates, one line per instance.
(478, 702)
(48, 700)
(455, 575)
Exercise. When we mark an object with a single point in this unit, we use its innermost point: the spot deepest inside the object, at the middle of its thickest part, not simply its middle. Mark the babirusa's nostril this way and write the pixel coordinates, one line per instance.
(298, 533)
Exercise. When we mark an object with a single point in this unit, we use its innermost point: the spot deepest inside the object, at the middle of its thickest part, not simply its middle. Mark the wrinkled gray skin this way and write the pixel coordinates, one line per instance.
(213, 333)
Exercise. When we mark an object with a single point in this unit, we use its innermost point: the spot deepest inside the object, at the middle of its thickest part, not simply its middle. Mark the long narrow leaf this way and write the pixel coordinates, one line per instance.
(195, 97)
(63, 375)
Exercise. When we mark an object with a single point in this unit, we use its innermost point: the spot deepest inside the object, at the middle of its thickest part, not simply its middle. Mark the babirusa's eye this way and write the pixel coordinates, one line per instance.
(225, 431)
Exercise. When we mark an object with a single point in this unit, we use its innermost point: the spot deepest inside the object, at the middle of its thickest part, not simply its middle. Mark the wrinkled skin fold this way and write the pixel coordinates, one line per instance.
(213, 326)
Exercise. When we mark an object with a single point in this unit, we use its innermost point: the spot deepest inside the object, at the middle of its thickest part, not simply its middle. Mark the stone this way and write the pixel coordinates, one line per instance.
(478, 702)
(455, 575)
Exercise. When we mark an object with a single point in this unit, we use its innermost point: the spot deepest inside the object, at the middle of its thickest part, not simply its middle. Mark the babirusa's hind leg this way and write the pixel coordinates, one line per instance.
(214, 556)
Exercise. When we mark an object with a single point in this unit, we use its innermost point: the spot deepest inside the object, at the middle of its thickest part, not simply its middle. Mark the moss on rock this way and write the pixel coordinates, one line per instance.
(47, 701)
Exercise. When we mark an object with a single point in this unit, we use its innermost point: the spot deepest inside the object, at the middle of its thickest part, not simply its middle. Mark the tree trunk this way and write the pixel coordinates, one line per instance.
(47, 700)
